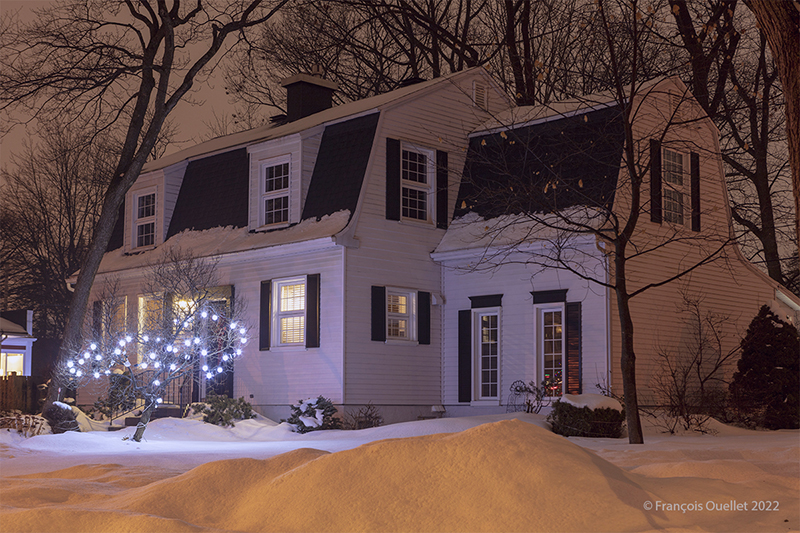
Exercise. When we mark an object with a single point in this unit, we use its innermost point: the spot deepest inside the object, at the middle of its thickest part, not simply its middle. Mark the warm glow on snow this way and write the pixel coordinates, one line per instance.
(505, 475)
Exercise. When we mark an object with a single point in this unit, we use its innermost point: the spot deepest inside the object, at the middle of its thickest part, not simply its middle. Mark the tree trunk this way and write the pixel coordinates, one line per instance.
(143, 421)
(627, 355)
(780, 22)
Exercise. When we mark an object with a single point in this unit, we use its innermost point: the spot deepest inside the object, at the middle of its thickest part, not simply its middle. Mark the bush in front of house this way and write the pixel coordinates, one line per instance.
(765, 390)
(571, 421)
(312, 414)
(368, 416)
(222, 411)
(60, 417)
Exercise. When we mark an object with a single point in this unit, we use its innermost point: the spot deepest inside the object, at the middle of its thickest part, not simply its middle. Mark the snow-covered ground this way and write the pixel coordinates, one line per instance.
(494, 473)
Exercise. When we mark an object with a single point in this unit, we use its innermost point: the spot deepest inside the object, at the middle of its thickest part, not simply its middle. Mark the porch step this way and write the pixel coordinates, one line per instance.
(161, 412)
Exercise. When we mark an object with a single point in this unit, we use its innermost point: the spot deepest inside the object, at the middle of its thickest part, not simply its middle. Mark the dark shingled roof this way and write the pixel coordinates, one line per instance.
(341, 164)
(214, 193)
(544, 167)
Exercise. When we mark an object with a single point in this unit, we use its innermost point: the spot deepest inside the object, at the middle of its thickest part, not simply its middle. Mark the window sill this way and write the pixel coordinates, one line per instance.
(485, 403)
(270, 227)
(288, 348)
(401, 342)
(418, 223)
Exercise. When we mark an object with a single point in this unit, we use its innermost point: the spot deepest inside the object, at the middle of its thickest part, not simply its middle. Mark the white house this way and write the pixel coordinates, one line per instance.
(16, 343)
(331, 224)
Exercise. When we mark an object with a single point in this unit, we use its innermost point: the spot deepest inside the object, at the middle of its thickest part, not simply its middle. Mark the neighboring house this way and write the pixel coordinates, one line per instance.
(16, 342)
(332, 227)
(507, 317)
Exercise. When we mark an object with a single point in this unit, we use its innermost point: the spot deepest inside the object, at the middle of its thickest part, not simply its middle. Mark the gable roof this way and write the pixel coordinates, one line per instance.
(272, 131)
(546, 166)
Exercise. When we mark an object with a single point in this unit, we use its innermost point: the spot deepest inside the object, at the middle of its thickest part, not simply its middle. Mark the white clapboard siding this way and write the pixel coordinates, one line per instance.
(730, 286)
(393, 253)
(173, 178)
(519, 357)
(279, 376)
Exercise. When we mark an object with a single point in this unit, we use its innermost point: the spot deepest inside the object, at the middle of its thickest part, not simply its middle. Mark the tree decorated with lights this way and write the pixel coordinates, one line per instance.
(188, 330)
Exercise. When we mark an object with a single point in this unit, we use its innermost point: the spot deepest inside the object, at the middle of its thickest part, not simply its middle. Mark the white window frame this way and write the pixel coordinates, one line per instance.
(477, 355)
(266, 196)
(4, 355)
(278, 313)
(540, 343)
(410, 315)
(674, 187)
(145, 220)
(427, 189)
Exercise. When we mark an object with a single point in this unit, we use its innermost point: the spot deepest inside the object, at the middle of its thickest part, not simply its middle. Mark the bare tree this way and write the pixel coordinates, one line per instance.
(191, 330)
(50, 204)
(692, 381)
(116, 61)
(530, 191)
(780, 23)
(732, 76)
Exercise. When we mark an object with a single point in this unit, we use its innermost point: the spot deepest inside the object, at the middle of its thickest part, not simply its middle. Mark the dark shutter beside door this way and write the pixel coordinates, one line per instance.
(573, 336)
(465, 355)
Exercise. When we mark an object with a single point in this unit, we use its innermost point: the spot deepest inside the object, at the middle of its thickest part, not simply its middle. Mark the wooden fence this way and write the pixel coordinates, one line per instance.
(22, 393)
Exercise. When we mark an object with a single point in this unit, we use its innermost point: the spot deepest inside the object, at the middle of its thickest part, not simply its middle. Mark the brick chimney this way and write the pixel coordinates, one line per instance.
(307, 94)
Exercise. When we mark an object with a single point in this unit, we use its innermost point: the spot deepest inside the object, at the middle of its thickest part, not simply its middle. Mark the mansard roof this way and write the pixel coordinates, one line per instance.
(545, 165)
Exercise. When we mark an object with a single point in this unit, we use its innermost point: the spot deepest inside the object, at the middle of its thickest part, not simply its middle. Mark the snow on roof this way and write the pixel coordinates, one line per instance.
(519, 116)
(592, 401)
(226, 240)
(472, 231)
(271, 131)
(8, 327)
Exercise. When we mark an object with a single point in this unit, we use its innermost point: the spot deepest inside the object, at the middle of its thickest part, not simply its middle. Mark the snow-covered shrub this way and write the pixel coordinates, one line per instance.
(765, 390)
(25, 425)
(583, 421)
(60, 417)
(222, 411)
(368, 416)
(311, 414)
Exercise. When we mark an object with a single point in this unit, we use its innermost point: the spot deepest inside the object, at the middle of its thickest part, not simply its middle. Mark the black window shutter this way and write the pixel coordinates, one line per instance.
(573, 334)
(312, 311)
(424, 317)
(265, 316)
(465, 355)
(97, 318)
(378, 313)
(441, 189)
(655, 181)
(695, 185)
(392, 179)
(166, 316)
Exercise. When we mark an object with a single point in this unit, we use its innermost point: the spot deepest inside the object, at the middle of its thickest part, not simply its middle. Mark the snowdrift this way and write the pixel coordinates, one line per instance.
(504, 476)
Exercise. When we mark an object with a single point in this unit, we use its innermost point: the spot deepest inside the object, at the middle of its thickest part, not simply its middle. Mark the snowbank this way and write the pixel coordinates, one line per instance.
(592, 401)
(509, 474)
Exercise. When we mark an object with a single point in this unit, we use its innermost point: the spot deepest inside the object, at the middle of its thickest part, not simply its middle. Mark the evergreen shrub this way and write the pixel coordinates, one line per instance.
(60, 417)
(571, 421)
(222, 411)
(312, 414)
(765, 390)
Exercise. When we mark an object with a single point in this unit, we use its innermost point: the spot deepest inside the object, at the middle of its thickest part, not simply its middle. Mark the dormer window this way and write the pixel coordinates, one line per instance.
(275, 176)
(145, 220)
(417, 180)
